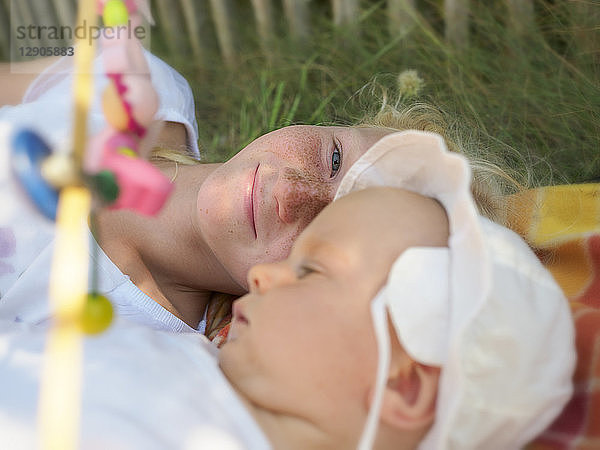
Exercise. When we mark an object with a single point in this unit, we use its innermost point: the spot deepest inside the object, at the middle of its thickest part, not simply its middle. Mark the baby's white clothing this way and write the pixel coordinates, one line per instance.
(27, 237)
(143, 389)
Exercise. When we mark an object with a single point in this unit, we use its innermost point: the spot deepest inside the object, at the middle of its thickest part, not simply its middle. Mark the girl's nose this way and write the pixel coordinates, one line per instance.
(263, 277)
(300, 197)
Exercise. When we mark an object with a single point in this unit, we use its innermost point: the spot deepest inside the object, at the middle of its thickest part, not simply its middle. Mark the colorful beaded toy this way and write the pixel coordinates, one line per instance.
(109, 166)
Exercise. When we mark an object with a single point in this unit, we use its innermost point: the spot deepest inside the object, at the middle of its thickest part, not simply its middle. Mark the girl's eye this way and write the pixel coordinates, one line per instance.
(336, 158)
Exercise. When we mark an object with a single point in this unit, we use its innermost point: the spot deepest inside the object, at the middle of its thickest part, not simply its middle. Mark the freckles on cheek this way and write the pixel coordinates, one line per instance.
(305, 196)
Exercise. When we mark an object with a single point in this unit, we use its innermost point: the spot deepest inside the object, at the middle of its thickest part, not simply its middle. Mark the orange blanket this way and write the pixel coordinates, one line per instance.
(218, 317)
(562, 224)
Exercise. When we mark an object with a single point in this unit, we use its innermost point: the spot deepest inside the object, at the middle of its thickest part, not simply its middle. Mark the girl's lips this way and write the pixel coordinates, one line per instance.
(249, 201)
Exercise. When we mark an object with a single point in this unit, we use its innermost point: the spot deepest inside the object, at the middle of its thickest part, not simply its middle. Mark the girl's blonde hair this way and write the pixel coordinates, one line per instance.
(490, 181)
(166, 154)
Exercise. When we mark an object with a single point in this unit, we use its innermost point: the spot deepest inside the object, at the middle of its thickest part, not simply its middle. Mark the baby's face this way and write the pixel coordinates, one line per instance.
(302, 341)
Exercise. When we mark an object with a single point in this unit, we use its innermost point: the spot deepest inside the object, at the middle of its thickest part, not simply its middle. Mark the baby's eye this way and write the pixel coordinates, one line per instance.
(336, 158)
(303, 271)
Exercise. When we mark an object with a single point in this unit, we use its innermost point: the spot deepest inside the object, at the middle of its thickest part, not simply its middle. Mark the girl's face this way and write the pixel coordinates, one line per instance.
(253, 207)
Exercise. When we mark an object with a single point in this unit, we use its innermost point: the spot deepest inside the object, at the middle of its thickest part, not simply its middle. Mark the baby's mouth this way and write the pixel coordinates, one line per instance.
(238, 315)
(239, 319)
(237, 322)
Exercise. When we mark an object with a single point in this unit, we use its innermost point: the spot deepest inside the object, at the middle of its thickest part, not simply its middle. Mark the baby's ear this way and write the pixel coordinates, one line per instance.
(410, 394)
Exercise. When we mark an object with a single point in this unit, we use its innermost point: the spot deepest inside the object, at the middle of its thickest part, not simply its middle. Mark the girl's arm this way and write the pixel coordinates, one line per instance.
(14, 85)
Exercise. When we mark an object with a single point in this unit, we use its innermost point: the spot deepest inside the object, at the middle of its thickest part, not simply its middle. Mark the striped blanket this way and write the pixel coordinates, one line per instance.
(562, 225)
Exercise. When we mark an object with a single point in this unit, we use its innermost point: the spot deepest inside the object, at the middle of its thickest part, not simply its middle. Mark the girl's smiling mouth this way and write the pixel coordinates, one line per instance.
(250, 202)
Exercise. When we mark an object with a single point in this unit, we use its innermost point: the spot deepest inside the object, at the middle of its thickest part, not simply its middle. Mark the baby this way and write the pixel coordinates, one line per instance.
(402, 309)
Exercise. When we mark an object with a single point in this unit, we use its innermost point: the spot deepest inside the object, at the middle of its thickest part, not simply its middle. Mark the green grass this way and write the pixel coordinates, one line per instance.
(534, 98)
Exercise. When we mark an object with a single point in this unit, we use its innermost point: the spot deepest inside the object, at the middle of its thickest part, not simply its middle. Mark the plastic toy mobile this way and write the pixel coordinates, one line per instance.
(109, 167)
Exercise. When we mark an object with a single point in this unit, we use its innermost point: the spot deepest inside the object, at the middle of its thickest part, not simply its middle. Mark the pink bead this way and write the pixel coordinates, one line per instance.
(130, 4)
(121, 140)
(142, 187)
(102, 144)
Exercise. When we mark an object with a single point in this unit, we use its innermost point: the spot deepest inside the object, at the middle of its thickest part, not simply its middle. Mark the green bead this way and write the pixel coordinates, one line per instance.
(97, 314)
(115, 13)
(105, 183)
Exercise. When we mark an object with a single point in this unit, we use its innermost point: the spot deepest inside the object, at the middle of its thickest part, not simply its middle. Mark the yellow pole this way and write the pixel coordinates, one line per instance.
(84, 81)
(60, 396)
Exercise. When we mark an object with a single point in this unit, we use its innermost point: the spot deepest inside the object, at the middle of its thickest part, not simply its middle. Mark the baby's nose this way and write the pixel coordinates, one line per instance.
(300, 196)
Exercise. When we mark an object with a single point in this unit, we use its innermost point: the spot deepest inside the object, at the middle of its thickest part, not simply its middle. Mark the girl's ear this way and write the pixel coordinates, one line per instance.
(410, 394)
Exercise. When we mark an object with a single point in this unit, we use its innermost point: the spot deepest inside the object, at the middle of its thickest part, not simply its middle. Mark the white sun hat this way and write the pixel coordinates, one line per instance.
(484, 309)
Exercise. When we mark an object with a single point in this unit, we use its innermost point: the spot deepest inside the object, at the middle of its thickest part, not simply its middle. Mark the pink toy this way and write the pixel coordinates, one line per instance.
(142, 186)
(105, 142)
(129, 103)
(122, 110)
(130, 4)
(126, 66)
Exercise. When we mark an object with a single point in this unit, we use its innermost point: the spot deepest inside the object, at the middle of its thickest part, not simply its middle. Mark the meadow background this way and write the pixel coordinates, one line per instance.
(521, 76)
(528, 81)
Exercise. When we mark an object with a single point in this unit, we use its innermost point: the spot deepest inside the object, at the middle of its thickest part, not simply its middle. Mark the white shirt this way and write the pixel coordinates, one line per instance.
(142, 389)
